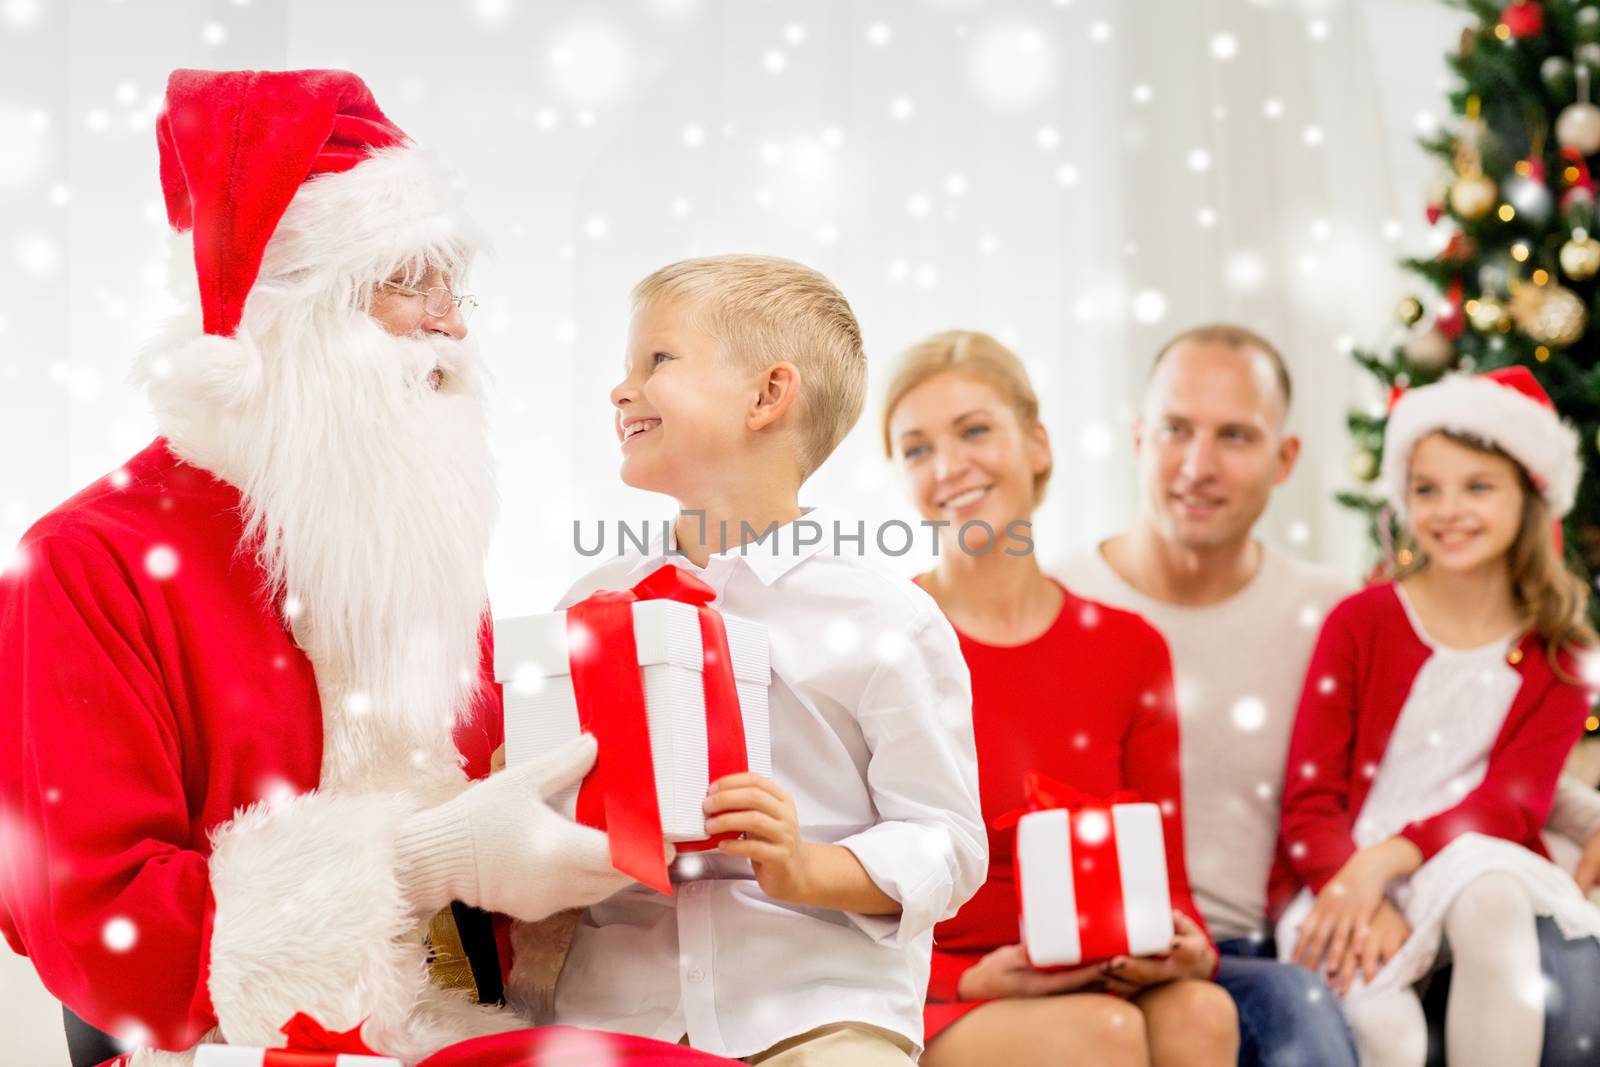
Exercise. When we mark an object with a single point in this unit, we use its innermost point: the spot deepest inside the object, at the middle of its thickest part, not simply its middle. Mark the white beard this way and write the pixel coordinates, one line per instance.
(368, 499)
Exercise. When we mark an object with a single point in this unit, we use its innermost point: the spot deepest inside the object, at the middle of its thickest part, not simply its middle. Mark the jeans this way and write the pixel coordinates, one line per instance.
(1288, 1017)
(1572, 1006)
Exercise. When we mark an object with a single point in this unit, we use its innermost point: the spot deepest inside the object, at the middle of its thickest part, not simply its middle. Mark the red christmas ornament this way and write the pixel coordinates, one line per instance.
(1576, 174)
(1525, 18)
(1450, 320)
(1459, 247)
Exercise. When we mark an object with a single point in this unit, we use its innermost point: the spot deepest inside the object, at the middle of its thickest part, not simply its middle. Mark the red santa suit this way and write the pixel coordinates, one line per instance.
(151, 691)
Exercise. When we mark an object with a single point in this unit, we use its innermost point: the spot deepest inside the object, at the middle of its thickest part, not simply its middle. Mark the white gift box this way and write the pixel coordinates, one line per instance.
(242, 1056)
(1051, 929)
(541, 713)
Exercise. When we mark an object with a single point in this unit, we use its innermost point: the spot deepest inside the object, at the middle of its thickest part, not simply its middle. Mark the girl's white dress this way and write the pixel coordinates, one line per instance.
(1438, 753)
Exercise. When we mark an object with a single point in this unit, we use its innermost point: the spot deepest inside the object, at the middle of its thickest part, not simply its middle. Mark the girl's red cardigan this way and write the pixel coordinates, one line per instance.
(1365, 662)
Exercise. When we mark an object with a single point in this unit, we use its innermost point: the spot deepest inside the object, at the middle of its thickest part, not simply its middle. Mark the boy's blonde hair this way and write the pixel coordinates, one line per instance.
(973, 355)
(764, 309)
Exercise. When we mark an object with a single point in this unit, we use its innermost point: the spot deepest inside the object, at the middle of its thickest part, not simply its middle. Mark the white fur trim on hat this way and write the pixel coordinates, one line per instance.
(1532, 434)
(355, 227)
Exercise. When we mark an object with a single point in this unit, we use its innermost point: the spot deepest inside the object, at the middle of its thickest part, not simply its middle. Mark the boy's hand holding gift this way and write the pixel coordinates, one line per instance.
(787, 868)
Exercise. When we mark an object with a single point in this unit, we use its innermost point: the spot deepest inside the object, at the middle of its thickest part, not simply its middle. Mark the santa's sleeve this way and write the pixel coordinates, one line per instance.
(1150, 760)
(1316, 827)
(101, 885)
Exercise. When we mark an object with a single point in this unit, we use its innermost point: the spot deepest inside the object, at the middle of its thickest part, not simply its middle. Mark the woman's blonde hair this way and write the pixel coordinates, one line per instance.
(974, 355)
(1553, 600)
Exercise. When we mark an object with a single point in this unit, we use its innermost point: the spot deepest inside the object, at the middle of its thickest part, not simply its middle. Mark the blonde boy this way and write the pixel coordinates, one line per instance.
(807, 940)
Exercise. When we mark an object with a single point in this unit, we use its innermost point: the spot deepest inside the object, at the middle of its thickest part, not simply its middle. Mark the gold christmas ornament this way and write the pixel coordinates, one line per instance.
(1409, 312)
(1550, 314)
(1430, 349)
(1487, 315)
(1473, 196)
(1580, 257)
(1474, 193)
(1364, 465)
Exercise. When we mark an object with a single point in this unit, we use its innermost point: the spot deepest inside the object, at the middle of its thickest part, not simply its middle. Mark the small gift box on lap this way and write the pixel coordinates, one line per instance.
(675, 693)
(1091, 876)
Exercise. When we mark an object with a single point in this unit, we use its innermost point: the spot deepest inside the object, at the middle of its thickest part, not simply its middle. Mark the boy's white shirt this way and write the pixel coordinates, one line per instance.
(871, 721)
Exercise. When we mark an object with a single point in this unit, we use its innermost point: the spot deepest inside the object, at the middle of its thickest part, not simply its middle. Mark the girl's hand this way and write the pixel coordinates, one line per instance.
(1343, 912)
(1006, 972)
(754, 806)
(1191, 957)
(1387, 932)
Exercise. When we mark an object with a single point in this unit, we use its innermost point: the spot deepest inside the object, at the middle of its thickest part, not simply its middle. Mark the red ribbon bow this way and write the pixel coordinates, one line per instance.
(1096, 868)
(310, 1044)
(1044, 793)
(619, 795)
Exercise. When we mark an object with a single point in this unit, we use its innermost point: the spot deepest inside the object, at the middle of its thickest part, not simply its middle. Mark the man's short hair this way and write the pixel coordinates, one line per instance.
(1236, 337)
(764, 309)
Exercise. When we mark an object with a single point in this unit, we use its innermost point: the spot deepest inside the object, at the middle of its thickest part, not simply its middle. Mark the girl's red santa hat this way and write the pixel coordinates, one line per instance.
(1507, 408)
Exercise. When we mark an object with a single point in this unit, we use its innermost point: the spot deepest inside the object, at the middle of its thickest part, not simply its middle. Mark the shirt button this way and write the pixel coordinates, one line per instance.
(697, 975)
(1515, 657)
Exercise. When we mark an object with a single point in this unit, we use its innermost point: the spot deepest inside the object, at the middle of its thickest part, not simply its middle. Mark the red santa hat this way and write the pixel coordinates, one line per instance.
(1507, 408)
(298, 173)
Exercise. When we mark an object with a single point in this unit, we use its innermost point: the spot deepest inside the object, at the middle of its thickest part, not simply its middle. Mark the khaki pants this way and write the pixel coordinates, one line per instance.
(837, 1045)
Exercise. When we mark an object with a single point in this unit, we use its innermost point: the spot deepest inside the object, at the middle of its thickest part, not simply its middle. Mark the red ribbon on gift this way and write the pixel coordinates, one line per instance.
(1096, 868)
(619, 795)
(309, 1044)
(305, 1034)
(1041, 792)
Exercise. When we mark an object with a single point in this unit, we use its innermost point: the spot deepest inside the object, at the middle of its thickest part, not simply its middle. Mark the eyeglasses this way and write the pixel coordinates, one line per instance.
(437, 301)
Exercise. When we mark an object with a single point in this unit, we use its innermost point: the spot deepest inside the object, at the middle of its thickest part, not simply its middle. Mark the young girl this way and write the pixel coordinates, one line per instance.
(1436, 716)
(1060, 685)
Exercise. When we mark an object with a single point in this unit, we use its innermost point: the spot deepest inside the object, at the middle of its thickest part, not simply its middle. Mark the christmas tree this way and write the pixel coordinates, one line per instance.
(1515, 280)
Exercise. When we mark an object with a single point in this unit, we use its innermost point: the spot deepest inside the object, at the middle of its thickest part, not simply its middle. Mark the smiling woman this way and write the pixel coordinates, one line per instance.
(962, 420)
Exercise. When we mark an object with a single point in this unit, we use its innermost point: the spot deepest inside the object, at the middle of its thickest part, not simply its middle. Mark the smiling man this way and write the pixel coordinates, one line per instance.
(1240, 619)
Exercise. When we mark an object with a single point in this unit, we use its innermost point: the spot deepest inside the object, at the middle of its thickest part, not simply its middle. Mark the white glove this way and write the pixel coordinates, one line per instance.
(499, 845)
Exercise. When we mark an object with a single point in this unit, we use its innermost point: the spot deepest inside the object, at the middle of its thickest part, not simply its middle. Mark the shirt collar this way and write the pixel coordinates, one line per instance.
(769, 559)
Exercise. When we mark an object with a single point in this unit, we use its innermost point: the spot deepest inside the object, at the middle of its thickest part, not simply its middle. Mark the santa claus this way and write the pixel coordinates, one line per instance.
(245, 717)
